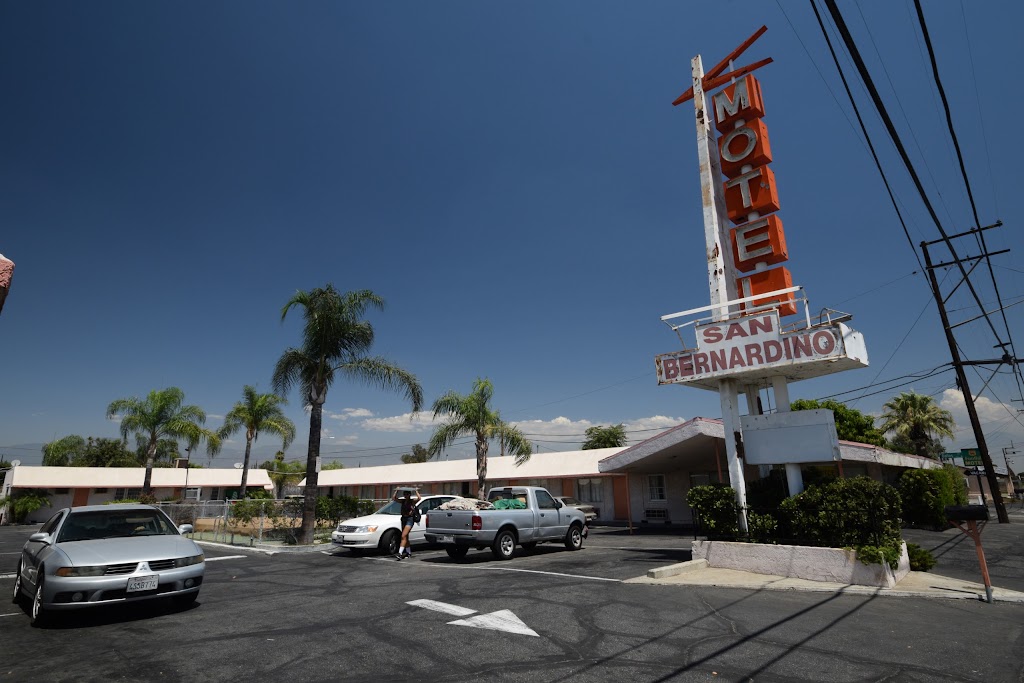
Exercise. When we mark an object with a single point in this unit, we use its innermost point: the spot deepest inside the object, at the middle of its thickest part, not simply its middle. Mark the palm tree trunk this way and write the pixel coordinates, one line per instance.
(481, 467)
(150, 457)
(245, 466)
(309, 502)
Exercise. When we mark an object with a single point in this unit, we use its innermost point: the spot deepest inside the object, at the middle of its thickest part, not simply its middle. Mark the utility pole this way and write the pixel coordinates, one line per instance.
(965, 388)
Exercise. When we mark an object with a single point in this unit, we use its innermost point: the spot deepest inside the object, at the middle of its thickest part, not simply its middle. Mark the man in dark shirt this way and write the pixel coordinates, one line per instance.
(408, 519)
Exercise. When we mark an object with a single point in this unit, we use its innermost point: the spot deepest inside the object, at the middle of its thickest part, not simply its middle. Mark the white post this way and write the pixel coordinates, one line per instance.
(721, 272)
(794, 477)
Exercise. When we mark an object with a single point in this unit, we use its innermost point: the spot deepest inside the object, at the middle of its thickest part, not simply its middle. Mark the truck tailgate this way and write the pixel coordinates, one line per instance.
(450, 521)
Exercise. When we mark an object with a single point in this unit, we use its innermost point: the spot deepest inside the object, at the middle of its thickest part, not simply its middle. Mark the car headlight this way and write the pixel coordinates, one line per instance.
(366, 529)
(81, 571)
(188, 561)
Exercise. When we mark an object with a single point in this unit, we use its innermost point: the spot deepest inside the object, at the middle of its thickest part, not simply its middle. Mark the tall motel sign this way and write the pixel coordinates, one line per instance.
(753, 335)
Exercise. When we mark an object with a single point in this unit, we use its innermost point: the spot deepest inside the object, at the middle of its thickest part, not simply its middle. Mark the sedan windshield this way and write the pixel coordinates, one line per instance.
(392, 508)
(87, 526)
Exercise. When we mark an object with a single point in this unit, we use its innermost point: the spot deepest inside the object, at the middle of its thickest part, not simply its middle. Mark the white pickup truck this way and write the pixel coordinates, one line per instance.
(540, 519)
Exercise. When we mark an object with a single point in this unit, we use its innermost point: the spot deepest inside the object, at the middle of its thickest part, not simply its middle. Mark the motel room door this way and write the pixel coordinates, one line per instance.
(620, 497)
(81, 498)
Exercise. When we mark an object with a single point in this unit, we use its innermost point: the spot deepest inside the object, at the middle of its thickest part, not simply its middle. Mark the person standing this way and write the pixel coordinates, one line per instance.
(408, 519)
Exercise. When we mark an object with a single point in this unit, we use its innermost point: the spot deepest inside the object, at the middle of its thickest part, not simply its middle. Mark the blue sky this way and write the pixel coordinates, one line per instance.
(512, 179)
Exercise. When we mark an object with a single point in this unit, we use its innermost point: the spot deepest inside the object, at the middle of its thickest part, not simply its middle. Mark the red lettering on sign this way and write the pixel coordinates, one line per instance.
(735, 330)
(753, 354)
(736, 359)
(763, 324)
(700, 363)
(718, 360)
(670, 368)
(823, 342)
(802, 346)
(712, 334)
(773, 351)
(686, 366)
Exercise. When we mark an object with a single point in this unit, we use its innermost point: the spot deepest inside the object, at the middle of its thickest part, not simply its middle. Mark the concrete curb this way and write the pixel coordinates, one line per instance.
(677, 569)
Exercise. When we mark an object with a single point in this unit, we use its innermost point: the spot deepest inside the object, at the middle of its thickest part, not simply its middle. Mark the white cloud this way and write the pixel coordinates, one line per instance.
(214, 417)
(350, 413)
(997, 420)
(406, 422)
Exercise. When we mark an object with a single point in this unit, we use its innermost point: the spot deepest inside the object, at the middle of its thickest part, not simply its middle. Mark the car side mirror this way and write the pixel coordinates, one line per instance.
(558, 504)
(185, 529)
(40, 537)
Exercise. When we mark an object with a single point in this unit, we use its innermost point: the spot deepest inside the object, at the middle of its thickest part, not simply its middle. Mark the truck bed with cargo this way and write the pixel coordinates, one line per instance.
(539, 519)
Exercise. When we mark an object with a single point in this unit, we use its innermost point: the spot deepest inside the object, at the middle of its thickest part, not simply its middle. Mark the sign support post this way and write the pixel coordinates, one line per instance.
(721, 278)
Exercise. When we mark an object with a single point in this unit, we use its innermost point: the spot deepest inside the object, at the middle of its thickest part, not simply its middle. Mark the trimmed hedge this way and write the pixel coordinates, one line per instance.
(716, 506)
(926, 493)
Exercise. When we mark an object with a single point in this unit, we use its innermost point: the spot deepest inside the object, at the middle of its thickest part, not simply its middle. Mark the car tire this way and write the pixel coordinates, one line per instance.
(389, 542)
(39, 614)
(456, 552)
(504, 546)
(530, 545)
(16, 599)
(186, 600)
(574, 537)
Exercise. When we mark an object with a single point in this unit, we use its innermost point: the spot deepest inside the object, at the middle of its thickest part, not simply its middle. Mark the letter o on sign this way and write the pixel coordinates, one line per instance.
(727, 152)
(823, 342)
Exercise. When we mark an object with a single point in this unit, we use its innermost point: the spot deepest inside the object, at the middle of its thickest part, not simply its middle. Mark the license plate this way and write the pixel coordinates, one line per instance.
(447, 539)
(139, 584)
(339, 539)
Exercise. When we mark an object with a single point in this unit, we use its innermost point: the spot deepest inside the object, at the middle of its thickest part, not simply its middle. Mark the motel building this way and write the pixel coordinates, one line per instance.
(76, 486)
(642, 484)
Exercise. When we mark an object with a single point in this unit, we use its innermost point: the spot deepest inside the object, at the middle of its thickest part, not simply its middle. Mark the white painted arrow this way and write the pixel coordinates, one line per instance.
(502, 620)
(442, 607)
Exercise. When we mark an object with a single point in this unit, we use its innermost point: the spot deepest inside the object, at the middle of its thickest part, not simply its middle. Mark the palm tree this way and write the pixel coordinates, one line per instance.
(917, 418)
(600, 436)
(335, 341)
(257, 413)
(161, 415)
(472, 415)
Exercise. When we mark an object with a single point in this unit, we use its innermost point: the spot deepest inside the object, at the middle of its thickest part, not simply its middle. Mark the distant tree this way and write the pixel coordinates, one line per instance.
(600, 436)
(282, 473)
(166, 451)
(419, 454)
(471, 414)
(161, 415)
(61, 452)
(332, 465)
(335, 341)
(902, 444)
(851, 424)
(102, 452)
(257, 413)
(918, 419)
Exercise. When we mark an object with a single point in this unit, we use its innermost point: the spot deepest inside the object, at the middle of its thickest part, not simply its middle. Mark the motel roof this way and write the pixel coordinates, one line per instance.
(539, 466)
(700, 443)
(35, 476)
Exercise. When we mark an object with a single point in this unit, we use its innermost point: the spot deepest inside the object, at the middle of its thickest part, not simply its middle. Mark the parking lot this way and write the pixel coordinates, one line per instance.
(548, 615)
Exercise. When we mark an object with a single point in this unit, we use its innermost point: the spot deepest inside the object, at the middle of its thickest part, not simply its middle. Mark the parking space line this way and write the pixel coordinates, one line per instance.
(7, 576)
(11, 614)
(497, 569)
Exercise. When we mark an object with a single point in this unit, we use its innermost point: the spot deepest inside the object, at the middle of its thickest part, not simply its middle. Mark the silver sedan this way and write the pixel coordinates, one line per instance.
(106, 554)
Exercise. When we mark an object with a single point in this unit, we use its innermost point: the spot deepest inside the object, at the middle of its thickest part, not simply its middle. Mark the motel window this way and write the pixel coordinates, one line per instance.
(656, 487)
(60, 491)
(215, 493)
(589, 490)
(451, 488)
(192, 493)
(127, 494)
(366, 492)
(99, 490)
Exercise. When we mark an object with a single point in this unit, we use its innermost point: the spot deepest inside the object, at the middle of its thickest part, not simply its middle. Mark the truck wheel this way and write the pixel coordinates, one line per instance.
(456, 552)
(574, 538)
(504, 545)
(389, 542)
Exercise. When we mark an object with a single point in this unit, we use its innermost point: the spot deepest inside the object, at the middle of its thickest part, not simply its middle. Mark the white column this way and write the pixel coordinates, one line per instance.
(794, 477)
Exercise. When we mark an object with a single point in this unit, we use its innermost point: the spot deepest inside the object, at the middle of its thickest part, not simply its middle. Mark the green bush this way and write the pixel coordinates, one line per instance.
(920, 559)
(24, 502)
(764, 528)
(847, 513)
(874, 554)
(715, 505)
(926, 493)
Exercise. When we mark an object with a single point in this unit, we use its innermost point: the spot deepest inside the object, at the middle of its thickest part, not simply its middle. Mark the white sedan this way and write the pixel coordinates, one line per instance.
(381, 529)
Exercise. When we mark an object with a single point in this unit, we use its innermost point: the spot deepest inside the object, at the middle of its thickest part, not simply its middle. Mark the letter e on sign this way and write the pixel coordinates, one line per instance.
(759, 241)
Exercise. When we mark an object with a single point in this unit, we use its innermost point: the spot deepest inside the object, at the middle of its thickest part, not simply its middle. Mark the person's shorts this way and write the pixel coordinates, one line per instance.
(406, 521)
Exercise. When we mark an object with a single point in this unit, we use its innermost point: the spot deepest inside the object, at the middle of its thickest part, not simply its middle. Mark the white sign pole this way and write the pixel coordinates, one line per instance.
(721, 275)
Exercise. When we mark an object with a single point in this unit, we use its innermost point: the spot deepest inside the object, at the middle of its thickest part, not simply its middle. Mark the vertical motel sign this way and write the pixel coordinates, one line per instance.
(740, 349)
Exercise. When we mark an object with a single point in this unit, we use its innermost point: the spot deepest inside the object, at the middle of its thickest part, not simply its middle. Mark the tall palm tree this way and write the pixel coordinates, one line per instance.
(335, 341)
(472, 415)
(161, 415)
(600, 436)
(257, 413)
(917, 418)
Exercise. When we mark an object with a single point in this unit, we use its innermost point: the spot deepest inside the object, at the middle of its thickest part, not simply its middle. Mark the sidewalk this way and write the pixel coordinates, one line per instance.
(956, 574)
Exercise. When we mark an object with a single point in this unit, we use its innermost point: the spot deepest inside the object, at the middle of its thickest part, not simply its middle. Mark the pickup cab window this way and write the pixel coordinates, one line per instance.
(545, 501)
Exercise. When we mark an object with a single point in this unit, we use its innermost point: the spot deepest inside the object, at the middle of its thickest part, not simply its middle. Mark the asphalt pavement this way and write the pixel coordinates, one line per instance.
(546, 615)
